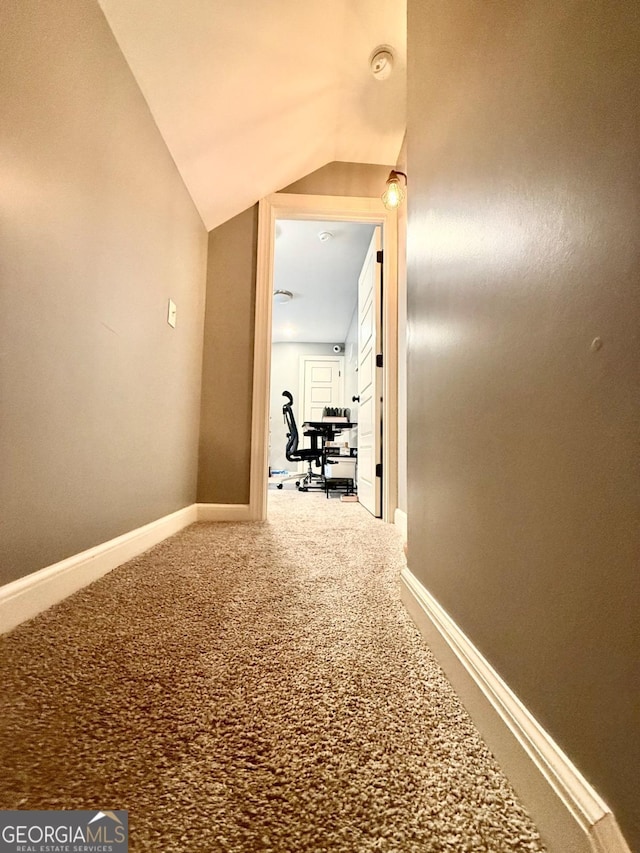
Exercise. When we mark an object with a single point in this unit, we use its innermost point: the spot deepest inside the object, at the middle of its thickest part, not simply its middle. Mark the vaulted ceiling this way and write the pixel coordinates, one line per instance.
(252, 95)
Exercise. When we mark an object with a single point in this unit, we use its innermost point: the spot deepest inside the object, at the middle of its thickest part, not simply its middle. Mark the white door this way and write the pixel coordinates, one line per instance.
(321, 384)
(370, 379)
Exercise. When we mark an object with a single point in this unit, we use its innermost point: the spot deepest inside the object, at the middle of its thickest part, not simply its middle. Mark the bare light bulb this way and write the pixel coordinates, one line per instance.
(394, 194)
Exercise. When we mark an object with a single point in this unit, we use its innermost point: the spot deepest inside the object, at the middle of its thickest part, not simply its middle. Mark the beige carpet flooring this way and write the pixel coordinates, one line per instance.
(253, 687)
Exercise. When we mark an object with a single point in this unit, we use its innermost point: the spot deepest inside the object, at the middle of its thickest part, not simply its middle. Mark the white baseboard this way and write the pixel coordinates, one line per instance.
(400, 521)
(570, 815)
(24, 598)
(224, 512)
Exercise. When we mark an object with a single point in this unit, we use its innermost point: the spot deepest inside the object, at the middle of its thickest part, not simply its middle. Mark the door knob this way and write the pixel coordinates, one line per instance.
(355, 399)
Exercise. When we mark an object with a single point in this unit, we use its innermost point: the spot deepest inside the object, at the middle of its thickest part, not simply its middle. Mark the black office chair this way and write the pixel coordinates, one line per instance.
(302, 454)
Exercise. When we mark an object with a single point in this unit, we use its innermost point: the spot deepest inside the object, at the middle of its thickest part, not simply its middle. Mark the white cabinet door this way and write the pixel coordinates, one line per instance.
(322, 384)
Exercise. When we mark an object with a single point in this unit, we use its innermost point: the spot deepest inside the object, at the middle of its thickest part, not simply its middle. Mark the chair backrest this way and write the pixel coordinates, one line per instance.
(292, 429)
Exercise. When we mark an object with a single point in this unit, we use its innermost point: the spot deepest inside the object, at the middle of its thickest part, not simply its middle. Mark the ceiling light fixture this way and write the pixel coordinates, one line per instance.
(282, 296)
(394, 194)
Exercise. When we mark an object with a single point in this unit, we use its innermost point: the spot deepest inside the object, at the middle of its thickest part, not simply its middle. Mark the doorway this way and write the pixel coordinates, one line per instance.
(281, 206)
(314, 339)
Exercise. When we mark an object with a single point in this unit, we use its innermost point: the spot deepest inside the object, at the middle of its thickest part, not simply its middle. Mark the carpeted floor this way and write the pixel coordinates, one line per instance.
(253, 687)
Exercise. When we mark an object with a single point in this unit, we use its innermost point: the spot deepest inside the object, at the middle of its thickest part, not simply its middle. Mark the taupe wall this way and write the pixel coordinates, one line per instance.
(228, 341)
(350, 179)
(100, 397)
(227, 368)
(523, 148)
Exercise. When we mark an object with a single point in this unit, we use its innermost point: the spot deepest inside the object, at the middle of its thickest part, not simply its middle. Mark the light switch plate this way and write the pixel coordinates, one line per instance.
(172, 313)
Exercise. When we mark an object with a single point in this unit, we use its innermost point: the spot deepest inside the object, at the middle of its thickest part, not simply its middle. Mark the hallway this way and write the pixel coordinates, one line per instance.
(248, 687)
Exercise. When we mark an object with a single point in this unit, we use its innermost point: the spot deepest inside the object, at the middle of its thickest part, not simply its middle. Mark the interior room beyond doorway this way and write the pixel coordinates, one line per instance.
(314, 341)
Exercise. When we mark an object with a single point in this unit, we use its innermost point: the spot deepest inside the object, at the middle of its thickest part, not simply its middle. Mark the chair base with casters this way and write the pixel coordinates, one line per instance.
(297, 476)
(311, 481)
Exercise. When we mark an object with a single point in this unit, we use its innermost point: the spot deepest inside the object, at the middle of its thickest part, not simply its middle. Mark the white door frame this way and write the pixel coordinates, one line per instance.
(322, 208)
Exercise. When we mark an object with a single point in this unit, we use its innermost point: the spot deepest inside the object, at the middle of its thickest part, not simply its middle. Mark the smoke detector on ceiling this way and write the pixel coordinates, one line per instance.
(381, 62)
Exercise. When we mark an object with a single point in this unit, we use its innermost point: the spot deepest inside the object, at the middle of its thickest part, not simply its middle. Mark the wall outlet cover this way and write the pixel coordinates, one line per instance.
(172, 313)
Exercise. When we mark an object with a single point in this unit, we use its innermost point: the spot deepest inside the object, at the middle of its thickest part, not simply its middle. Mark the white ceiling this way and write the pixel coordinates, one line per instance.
(322, 276)
(252, 95)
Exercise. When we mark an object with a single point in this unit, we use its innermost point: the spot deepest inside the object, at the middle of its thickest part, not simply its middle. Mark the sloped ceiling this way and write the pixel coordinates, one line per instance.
(252, 95)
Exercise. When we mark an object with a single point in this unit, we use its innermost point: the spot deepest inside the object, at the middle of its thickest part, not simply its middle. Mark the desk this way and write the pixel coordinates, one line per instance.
(328, 430)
